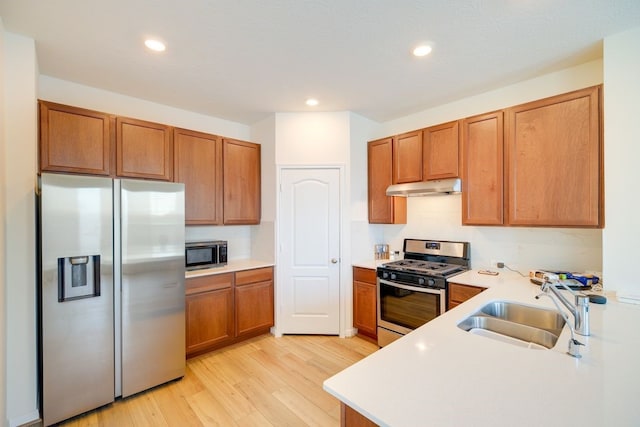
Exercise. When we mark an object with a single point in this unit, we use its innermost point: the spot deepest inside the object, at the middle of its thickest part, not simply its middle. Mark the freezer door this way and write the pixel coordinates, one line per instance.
(76, 295)
(152, 250)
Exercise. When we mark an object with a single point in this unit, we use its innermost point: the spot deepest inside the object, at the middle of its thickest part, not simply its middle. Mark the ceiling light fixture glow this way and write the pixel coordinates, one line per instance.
(312, 102)
(422, 50)
(155, 45)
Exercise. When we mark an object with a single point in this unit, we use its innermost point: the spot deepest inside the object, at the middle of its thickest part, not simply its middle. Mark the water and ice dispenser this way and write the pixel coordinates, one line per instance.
(78, 277)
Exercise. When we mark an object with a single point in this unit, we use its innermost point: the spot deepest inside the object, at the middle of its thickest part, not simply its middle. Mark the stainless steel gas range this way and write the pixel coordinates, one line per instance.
(412, 291)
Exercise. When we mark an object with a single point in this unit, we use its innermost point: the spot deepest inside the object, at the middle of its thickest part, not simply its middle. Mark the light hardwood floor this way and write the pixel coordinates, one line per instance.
(265, 381)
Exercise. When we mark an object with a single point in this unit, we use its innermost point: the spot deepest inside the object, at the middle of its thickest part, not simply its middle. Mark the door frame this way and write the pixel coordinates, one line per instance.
(345, 297)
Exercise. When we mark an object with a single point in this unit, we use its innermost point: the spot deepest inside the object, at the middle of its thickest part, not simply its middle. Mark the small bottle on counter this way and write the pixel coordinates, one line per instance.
(394, 255)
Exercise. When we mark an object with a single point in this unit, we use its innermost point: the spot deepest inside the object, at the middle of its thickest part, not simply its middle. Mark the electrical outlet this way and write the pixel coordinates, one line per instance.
(497, 264)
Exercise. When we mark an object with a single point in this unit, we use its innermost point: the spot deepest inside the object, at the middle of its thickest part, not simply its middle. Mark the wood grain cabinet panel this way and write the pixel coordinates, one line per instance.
(482, 169)
(554, 161)
(365, 296)
(382, 208)
(209, 313)
(198, 164)
(440, 151)
(241, 175)
(75, 140)
(254, 312)
(459, 293)
(407, 157)
(143, 149)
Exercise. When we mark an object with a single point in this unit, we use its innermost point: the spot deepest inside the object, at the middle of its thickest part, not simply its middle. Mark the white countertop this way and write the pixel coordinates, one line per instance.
(232, 266)
(440, 375)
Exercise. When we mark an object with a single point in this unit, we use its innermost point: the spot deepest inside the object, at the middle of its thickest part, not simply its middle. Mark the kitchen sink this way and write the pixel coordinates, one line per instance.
(518, 324)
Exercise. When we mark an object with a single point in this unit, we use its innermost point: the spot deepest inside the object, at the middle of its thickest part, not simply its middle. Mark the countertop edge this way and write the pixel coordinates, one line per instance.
(230, 267)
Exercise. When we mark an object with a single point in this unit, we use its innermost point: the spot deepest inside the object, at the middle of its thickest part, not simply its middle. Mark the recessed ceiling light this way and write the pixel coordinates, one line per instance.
(312, 102)
(422, 50)
(155, 45)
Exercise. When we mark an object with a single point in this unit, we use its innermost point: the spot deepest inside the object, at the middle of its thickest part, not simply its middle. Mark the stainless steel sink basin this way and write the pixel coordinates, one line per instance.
(549, 320)
(515, 323)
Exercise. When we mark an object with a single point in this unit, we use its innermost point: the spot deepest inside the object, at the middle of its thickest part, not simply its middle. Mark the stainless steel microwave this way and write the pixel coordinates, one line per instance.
(208, 254)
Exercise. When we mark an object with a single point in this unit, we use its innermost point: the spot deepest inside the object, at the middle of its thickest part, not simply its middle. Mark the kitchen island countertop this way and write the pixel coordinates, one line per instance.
(443, 376)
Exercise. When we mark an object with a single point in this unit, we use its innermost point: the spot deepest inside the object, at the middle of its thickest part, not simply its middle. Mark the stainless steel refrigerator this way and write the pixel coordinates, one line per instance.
(111, 290)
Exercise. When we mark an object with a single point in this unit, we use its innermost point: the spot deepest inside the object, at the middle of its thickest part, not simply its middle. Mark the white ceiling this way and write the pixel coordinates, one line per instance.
(242, 60)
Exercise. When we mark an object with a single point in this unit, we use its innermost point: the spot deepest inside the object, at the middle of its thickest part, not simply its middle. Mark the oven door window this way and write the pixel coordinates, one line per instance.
(410, 309)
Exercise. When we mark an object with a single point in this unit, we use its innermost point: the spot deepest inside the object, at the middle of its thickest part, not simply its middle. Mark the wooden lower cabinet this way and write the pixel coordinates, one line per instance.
(459, 293)
(349, 417)
(365, 302)
(208, 312)
(254, 301)
(222, 309)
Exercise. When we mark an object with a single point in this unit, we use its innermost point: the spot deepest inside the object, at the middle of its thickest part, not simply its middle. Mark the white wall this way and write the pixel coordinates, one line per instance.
(3, 184)
(263, 235)
(520, 248)
(19, 169)
(622, 152)
(312, 138)
(65, 92)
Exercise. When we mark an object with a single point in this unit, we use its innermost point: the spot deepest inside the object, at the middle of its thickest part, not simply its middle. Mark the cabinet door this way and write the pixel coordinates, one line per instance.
(254, 307)
(254, 301)
(209, 319)
(554, 159)
(482, 169)
(241, 166)
(407, 157)
(365, 296)
(382, 208)
(460, 293)
(143, 149)
(440, 151)
(198, 164)
(75, 140)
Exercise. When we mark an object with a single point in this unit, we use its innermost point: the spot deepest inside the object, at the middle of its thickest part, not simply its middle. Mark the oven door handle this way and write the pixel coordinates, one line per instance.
(411, 288)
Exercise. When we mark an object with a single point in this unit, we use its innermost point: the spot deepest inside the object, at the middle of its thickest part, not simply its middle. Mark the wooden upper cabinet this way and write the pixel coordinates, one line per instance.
(554, 161)
(407, 157)
(482, 169)
(241, 171)
(440, 152)
(198, 164)
(75, 140)
(382, 208)
(144, 149)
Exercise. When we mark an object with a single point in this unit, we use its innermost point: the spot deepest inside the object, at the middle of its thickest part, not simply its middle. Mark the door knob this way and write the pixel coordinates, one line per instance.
(334, 261)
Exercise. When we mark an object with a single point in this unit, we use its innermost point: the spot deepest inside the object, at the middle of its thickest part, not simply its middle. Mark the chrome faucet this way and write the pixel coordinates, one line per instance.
(580, 309)
(580, 312)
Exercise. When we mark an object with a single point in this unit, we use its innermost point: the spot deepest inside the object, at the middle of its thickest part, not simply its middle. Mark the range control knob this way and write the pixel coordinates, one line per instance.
(393, 276)
(421, 281)
(385, 275)
(431, 282)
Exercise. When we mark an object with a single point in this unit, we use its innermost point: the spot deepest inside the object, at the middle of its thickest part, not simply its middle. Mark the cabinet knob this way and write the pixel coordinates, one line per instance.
(334, 261)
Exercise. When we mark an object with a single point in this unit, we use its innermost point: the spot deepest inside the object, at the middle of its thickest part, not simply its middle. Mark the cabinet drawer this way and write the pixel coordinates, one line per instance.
(252, 276)
(460, 293)
(197, 285)
(364, 275)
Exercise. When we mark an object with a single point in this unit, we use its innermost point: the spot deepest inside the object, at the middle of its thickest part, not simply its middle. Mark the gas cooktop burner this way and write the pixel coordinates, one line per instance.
(423, 267)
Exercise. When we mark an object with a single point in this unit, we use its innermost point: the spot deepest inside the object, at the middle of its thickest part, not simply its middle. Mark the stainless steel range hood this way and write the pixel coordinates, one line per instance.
(425, 188)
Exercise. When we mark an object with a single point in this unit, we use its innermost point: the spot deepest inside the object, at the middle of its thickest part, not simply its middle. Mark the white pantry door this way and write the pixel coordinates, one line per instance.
(309, 258)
